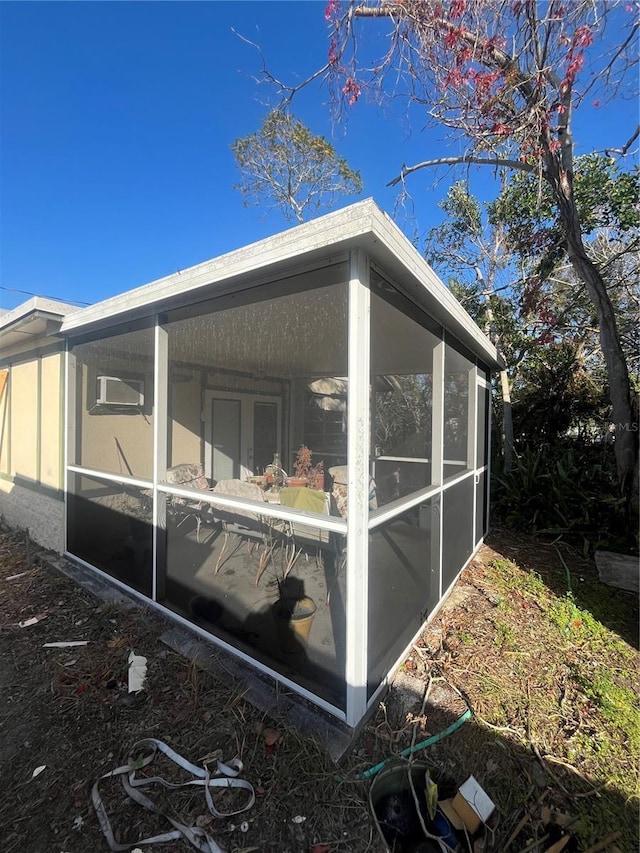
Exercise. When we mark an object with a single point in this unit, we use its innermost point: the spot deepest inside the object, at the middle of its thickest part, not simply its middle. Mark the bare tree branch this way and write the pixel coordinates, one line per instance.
(457, 161)
(622, 151)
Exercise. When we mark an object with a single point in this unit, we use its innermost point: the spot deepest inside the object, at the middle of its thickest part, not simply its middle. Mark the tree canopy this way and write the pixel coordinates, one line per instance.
(285, 165)
(504, 79)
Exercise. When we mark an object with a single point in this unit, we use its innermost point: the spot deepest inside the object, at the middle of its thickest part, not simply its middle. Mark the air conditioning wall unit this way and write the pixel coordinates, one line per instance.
(116, 391)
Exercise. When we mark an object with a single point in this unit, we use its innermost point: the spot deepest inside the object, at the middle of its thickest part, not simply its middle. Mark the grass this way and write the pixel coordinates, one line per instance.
(542, 653)
(579, 679)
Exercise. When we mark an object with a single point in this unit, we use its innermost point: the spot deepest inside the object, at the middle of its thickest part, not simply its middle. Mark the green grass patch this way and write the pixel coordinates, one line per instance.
(510, 576)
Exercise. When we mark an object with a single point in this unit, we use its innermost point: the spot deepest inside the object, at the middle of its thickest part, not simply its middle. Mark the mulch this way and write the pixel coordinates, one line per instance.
(68, 710)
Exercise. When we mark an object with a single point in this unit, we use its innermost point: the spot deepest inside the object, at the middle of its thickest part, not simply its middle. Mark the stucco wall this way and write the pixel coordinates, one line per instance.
(117, 442)
(186, 426)
(23, 387)
(4, 420)
(40, 514)
(31, 471)
(51, 438)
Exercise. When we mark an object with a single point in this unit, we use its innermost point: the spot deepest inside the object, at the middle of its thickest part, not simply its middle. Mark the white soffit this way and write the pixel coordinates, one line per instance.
(361, 225)
(32, 320)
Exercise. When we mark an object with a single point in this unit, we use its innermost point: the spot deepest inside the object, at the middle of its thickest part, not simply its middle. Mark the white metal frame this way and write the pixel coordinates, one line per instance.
(360, 519)
(358, 432)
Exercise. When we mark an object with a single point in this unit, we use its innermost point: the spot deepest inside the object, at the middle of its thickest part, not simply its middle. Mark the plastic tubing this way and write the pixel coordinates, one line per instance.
(367, 774)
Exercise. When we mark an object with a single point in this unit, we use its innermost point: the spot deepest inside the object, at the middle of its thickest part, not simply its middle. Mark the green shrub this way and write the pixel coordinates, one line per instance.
(569, 490)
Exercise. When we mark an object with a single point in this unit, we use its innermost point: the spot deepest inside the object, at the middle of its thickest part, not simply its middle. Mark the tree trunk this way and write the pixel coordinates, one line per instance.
(505, 385)
(507, 422)
(625, 445)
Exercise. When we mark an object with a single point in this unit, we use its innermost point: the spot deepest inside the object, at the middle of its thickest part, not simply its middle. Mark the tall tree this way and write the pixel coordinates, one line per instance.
(505, 77)
(467, 247)
(286, 166)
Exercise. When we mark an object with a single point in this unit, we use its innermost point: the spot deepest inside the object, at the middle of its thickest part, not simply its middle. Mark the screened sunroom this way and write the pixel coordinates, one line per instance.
(192, 403)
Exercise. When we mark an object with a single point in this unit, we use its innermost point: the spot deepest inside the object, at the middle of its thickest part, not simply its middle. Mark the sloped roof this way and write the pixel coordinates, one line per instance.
(31, 321)
(329, 238)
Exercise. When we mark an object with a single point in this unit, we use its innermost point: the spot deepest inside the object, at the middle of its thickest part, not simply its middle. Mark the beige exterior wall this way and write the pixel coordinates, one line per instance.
(186, 426)
(51, 437)
(31, 470)
(24, 420)
(117, 443)
(4, 420)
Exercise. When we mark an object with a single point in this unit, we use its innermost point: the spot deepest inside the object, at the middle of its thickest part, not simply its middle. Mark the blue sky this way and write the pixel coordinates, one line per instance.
(116, 125)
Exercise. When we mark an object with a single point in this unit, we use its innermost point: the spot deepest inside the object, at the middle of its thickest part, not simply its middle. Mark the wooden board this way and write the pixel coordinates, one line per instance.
(619, 570)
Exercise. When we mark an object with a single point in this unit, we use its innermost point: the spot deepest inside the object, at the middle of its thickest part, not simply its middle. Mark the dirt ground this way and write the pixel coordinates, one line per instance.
(68, 711)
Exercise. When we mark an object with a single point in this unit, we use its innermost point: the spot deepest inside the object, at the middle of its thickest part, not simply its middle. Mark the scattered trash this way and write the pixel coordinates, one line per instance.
(38, 771)
(244, 826)
(299, 818)
(70, 662)
(470, 808)
(137, 672)
(27, 622)
(78, 823)
(65, 644)
(417, 809)
(223, 777)
(15, 577)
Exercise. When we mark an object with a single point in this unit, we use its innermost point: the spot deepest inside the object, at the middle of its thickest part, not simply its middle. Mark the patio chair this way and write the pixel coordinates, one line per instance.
(243, 526)
(188, 475)
(306, 536)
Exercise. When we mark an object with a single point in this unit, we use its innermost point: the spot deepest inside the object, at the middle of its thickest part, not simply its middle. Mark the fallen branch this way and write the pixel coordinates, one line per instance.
(525, 819)
(601, 845)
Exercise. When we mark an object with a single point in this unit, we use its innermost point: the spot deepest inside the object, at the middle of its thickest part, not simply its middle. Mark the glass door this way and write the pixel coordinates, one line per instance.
(242, 432)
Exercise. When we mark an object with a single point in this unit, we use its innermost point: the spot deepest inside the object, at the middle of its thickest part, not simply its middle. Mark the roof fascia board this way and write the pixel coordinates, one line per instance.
(417, 278)
(290, 252)
(323, 235)
(37, 307)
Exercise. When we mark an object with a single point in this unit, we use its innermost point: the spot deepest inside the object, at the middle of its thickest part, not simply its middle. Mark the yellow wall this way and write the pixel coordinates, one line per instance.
(51, 437)
(24, 420)
(30, 420)
(4, 420)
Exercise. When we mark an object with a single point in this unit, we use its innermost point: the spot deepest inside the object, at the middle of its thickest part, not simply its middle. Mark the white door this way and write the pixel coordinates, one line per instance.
(242, 432)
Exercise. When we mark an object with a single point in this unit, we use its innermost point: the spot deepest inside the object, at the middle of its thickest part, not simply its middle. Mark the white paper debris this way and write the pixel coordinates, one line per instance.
(26, 622)
(299, 818)
(65, 644)
(78, 822)
(137, 672)
(38, 771)
(244, 826)
(15, 577)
